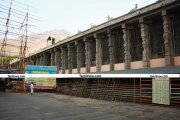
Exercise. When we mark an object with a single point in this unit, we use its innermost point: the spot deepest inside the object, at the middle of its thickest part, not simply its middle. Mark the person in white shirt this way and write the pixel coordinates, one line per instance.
(32, 87)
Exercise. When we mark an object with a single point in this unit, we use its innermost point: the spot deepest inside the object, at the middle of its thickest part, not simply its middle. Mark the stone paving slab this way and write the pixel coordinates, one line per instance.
(49, 106)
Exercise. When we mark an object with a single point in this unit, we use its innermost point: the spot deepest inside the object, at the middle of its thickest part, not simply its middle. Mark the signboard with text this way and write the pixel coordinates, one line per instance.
(41, 83)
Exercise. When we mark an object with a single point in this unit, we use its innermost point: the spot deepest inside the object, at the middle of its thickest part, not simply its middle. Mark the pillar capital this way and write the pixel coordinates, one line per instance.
(69, 45)
(86, 39)
(62, 48)
(52, 51)
(96, 36)
(76, 42)
(141, 20)
(127, 27)
(164, 12)
(55, 49)
(124, 26)
(109, 33)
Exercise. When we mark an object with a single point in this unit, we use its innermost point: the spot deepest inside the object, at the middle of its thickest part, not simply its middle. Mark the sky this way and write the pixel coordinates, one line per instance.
(74, 15)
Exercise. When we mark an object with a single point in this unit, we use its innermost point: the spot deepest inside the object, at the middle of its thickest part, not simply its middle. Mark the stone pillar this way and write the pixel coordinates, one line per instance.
(127, 54)
(37, 61)
(29, 60)
(34, 60)
(88, 54)
(69, 58)
(167, 35)
(43, 59)
(57, 57)
(40, 59)
(98, 53)
(63, 60)
(145, 43)
(79, 57)
(111, 50)
(52, 57)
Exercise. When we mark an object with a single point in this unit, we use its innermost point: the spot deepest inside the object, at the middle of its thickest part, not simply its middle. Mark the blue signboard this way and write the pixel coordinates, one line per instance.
(42, 83)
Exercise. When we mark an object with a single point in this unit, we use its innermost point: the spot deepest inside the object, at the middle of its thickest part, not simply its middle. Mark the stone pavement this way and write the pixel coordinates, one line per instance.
(49, 106)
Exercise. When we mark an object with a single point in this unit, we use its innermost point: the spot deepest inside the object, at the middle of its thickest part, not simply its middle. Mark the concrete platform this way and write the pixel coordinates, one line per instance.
(48, 106)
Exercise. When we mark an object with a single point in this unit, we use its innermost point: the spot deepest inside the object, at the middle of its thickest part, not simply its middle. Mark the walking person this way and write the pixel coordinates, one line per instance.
(32, 87)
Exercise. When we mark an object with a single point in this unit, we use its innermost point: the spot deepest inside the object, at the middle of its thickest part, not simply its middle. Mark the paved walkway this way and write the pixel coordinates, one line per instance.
(42, 106)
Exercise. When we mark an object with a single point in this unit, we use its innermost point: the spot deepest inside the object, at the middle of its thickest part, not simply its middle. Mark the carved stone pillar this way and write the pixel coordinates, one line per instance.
(167, 35)
(31, 60)
(34, 60)
(63, 59)
(127, 54)
(27, 61)
(57, 57)
(98, 53)
(43, 60)
(69, 58)
(88, 54)
(40, 59)
(145, 43)
(37, 60)
(79, 56)
(111, 50)
(52, 57)
(46, 59)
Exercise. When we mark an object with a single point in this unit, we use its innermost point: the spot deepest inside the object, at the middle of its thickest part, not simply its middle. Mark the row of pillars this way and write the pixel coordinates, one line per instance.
(62, 55)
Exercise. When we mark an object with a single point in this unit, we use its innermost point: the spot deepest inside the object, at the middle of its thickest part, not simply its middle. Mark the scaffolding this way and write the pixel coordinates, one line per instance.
(15, 31)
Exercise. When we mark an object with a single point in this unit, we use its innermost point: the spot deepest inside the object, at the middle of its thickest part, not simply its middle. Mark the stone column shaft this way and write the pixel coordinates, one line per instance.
(69, 59)
(98, 53)
(41, 59)
(37, 61)
(167, 35)
(34, 60)
(111, 50)
(52, 57)
(63, 60)
(127, 55)
(45, 59)
(57, 58)
(79, 57)
(88, 54)
(145, 43)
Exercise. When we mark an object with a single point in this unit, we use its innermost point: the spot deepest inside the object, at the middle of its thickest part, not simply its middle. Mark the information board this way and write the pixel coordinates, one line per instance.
(41, 83)
(161, 90)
